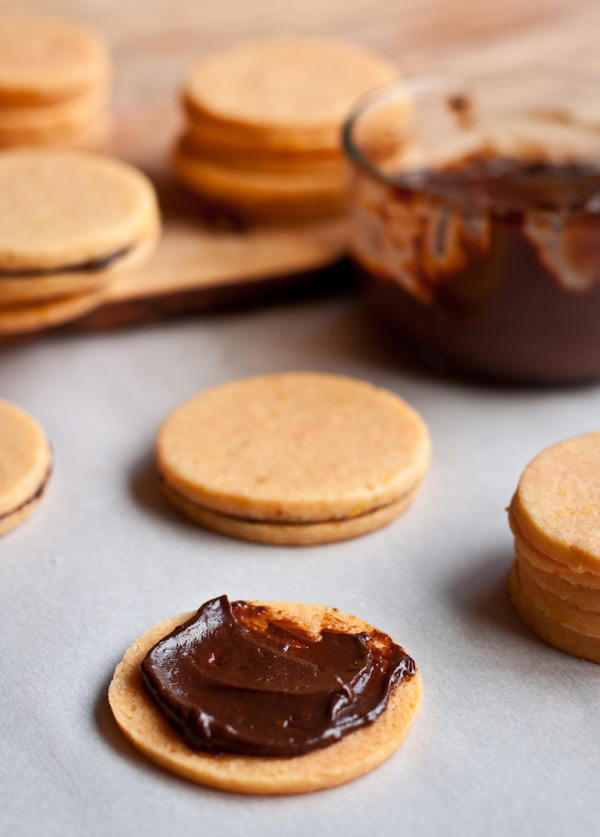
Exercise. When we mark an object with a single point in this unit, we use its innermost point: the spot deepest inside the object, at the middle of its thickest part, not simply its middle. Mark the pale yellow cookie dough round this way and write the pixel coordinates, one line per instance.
(25, 464)
(294, 448)
(355, 754)
(557, 503)
(285, 93)
(60, 209)
(44, 59)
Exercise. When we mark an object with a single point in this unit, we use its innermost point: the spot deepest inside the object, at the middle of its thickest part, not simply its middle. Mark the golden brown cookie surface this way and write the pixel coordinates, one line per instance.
(294, 448)
(65, 208)
(44, 59)
(289, 93)
(557, 503)
(25, 463)
(355, 754)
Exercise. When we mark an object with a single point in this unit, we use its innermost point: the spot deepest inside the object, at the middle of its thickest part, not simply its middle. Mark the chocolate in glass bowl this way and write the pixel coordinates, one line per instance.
(476, 211)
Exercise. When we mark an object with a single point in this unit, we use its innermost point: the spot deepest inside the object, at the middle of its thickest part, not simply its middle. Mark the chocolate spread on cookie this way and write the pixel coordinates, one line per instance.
(29, 500)
(89, 266)
(493, 263)
(237, 678)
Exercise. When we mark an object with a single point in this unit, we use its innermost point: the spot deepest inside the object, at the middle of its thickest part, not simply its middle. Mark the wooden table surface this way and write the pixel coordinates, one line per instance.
(154, 42)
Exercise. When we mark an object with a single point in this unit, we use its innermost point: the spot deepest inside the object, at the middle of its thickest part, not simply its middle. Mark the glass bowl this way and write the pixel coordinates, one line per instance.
(475, 206)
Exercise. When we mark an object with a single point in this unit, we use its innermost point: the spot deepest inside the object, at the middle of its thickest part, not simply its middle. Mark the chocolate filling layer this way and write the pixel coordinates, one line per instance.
(31, 499)
(279, 521)
(90, 266)
(236, 678)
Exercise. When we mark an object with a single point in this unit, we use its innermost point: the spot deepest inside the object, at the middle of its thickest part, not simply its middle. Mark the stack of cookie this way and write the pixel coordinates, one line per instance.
(263, 137)
(54, 78)
(71, 222)
(555, 517)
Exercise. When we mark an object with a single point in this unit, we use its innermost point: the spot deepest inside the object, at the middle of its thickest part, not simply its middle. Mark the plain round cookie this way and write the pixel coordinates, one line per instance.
(260, 192)
(44, 59)
(62, 208)
(23, 319)
(557, 503)
(355, 754)
(552, 632)
(290, 534)
(286, 93)
(575, 594)
(293, 447)
(25, 463)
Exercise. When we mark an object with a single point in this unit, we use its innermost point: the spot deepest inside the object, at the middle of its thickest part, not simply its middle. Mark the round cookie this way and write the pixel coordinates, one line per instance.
(285, 93)
(25, 465)
(24, 319)
(355, 754)
(262, 192)
(290, 534)
(549, 565)
(211, 140)
(557, 503)
(577, 595)
(63, 208)
(580, 620)
(552, 632)
(56, 286)
(44, 59)
(294, 448)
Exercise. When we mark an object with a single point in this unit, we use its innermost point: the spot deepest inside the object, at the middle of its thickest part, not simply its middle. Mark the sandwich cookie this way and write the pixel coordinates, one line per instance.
(71, 221)
(190, 695)
(555, 517)
(25, 465)
(54, 77)
(295, 458)
(264, 125)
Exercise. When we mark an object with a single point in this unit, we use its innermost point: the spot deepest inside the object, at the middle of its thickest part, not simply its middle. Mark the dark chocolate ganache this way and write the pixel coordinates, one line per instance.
(89, 266)
(234, 678)
(490, 264)
(507, 184)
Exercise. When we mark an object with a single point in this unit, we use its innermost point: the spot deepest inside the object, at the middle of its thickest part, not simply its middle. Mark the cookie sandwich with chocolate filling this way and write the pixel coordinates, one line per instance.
(554, 583)
(25, 465)
(69, 223)
(293, 458)
(266, 697)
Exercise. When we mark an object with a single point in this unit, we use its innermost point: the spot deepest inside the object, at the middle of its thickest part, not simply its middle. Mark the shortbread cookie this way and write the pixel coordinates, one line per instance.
(287, 93)
(352, 755)
(575, 594)
(552, 632)
(52, 286)
(70, 221)
(210, 140)
(45, 59)
(290, 534)
(25, 464)
(259, 192)
(557, 503)
(35, 316)
(294, 450)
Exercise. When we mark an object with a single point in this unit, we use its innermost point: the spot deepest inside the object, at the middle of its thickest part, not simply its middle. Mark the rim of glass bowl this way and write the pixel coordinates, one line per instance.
(423, 84)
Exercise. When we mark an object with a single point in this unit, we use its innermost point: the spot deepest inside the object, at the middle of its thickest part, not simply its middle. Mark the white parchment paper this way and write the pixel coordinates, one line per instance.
(508, 741)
